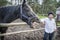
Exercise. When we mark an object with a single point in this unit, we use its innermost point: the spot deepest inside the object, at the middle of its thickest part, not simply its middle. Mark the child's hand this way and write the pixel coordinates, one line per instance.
(55, 30)
(35, 24)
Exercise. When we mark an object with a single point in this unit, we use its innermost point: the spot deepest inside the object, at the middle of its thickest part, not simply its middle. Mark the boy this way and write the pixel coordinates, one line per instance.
(50, 27)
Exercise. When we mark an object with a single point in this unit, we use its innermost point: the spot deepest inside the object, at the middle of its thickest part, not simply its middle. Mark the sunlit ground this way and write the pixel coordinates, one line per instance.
(41, 17)
(58, 23)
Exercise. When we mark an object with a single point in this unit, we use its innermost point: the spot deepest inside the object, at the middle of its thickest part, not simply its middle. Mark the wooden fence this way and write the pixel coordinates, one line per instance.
(16, 24)
(12, 24)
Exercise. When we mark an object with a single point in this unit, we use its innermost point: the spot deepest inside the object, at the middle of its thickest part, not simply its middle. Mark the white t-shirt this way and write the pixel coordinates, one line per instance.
(50, 25)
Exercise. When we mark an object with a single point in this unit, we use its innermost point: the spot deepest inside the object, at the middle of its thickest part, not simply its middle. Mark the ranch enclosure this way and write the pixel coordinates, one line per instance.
(24, 32)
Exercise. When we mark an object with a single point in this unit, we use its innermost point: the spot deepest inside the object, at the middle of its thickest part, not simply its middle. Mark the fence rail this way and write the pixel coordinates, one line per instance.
(12, 24)
(16, 24)
(5, 34)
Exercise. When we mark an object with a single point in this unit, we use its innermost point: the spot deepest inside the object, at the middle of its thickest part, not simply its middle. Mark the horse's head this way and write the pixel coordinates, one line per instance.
(28, 15)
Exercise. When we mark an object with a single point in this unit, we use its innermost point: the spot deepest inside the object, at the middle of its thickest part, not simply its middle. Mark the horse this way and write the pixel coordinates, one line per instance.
(11, 13)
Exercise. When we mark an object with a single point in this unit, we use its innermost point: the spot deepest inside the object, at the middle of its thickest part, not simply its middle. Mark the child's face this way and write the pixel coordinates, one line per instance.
(50, 16)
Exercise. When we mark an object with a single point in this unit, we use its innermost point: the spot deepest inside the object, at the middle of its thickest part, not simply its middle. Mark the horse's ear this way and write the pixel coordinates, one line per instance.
(24, 1)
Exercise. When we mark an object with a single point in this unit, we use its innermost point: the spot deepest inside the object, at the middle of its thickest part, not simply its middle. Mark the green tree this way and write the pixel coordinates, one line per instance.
(3, 2)
(58, 4)
(49, 5)
(35, 5)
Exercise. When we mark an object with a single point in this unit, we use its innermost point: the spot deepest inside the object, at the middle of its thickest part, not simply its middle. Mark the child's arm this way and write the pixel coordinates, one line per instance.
(43, 24)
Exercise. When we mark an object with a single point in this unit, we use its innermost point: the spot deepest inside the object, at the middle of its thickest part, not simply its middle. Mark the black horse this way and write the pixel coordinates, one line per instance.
(11, 13)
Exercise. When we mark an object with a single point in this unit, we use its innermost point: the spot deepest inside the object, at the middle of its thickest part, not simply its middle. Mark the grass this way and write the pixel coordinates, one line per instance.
(58, 23)
(41, 17)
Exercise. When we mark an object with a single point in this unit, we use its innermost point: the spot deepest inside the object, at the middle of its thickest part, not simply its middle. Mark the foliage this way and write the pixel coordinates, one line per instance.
(3, 2)
(47, 6)
(58, 4)
(35, 5)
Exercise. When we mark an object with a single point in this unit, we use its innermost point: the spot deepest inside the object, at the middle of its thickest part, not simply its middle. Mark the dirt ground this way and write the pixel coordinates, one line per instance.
(35, 35)
(58, 34)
